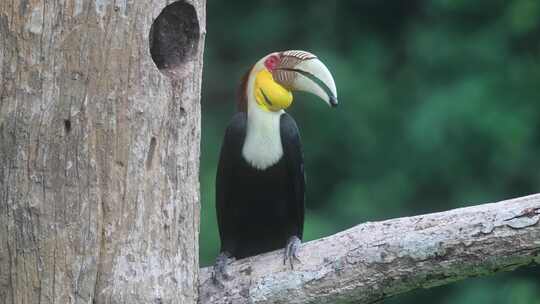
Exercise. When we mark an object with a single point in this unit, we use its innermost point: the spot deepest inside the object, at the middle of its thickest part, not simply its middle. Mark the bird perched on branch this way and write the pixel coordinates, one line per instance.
(260, 178)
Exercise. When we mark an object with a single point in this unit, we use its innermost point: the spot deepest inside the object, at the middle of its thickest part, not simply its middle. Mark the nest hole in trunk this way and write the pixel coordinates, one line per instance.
(174, 39)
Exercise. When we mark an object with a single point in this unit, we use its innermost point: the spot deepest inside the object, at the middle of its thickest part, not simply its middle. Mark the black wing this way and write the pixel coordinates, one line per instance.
(292, 151)
(229, 156)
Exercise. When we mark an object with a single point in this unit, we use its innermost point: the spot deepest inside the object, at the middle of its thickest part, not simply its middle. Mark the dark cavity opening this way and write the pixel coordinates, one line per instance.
(174, 39)
(67, 125)
(150, 155)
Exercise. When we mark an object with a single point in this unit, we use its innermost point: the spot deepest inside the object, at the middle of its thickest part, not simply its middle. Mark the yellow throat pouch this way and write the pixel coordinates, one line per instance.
(270, 95)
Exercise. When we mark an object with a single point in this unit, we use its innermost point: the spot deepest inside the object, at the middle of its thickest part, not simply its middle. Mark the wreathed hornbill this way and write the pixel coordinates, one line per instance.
(260, 177)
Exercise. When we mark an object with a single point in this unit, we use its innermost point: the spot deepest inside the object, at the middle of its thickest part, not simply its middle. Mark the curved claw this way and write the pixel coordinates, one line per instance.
(291, 251)
(220, 269)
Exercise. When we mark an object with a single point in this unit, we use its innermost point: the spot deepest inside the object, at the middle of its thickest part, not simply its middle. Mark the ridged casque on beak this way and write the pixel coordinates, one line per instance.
(303, 71)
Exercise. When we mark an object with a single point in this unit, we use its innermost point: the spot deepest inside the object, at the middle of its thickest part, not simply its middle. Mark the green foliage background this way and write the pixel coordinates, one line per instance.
(439, 108)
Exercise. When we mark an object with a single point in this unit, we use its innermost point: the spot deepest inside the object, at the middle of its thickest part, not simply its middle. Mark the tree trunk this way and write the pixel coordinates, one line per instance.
(99, 193)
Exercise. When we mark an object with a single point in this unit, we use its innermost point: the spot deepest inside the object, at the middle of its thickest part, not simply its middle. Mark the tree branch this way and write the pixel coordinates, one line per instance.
(373, 261)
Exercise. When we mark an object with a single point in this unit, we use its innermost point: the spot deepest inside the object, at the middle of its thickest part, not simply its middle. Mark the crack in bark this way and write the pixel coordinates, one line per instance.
(529, 212)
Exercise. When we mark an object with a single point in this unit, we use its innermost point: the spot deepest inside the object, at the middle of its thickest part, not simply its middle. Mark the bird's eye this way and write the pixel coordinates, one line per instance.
(271, 62)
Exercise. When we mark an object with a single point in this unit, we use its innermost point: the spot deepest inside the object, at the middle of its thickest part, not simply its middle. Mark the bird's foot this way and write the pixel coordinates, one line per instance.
(291, 251)
(220, 268)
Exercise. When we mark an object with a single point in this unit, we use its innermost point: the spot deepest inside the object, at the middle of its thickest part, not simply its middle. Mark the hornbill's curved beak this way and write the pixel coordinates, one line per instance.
(303, 71)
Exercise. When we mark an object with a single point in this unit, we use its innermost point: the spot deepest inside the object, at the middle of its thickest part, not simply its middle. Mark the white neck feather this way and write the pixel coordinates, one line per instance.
(262, 146)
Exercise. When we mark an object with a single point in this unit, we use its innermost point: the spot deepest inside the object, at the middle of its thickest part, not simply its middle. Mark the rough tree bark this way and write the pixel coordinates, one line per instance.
(373, 261)
(99, 150)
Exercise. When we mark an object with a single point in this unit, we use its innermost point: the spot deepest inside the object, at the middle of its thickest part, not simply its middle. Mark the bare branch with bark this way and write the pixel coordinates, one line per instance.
(373, 261)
